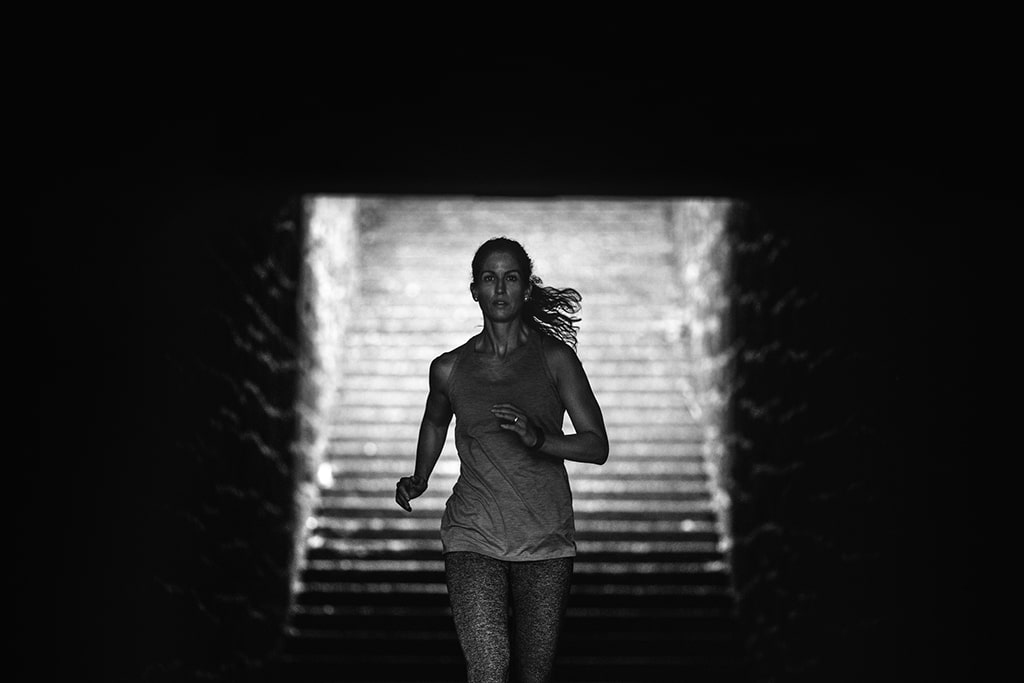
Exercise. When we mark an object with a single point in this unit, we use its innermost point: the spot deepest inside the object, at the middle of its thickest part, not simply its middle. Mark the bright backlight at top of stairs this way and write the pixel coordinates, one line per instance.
(388, 284)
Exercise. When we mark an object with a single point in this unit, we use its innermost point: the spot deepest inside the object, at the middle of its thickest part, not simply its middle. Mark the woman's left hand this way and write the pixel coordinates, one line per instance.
(515, 420)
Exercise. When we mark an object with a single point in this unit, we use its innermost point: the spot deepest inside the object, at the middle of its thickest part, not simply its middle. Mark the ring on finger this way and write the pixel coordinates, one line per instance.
(515, 421)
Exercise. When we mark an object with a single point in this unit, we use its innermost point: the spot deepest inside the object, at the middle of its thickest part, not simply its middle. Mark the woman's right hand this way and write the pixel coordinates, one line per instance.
(409, 488)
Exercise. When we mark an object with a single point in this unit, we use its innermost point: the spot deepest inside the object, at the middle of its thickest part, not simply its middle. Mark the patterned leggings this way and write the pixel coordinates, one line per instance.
(479, 588)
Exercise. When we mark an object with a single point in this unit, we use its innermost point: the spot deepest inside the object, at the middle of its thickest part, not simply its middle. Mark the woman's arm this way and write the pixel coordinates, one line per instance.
(437, 416)
(590, 442)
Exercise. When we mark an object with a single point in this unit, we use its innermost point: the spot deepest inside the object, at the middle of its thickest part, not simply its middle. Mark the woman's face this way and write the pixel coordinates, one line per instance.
(500, 287)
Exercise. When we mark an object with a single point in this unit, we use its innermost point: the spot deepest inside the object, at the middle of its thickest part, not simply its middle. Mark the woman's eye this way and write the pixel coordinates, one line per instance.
(488, 278)
(512, 278)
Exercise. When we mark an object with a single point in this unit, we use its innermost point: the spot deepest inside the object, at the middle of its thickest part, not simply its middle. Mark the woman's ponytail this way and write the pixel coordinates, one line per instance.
(549, 311)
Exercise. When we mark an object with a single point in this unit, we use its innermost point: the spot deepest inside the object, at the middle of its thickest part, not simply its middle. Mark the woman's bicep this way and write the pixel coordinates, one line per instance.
(439, 408)
(438, 412)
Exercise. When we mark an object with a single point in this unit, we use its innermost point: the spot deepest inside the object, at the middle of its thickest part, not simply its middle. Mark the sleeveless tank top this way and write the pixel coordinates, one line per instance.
(509, 503)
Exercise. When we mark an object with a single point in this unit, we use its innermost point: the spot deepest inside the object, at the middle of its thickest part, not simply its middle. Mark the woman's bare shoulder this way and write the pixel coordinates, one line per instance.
(557, 353)
(442, 366)
(445, 362)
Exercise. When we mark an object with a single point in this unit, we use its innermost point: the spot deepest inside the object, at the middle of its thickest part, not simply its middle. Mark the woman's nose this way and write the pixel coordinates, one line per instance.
(501, 286)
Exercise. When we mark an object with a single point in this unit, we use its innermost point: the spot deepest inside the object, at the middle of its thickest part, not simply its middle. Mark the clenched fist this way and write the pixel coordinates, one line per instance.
(409, 488)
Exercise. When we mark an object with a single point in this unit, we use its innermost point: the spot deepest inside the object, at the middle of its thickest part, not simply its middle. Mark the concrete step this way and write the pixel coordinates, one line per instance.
(582, 606)
(551, 250)
(624, 369)
(451, 268)
(548, 248)
(650, 340)
(617, 513)
(415, 360)
(639, 461)
(671, 468)
(611, 487)
(466, 231)
(657, 502)
(368, 545)
(416, 382)
(601, 296)
(436, 497)
(416, 596)
(399, 549)
(683, 431)
(590, 351)
(369, 537)
(455, 295)
(461, 323)
(343, 574)
(391, 315)
(453, 259)
(585, 483)
(541, 227)
(402, 451)
(585, 480)
(541, 213)
(664, 568)
(609, 508)
(609, 400)
(430, 597)
(378, 416)
(586, 528)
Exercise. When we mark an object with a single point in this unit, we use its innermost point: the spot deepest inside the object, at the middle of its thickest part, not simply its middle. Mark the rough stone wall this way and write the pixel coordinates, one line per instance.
(329, 279)
(702, 261)
(213, 518)
(702, 255)
(170, 362)
(818, 418)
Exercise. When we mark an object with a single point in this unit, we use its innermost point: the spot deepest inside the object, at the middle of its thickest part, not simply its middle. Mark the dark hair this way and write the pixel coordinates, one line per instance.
(548, 310)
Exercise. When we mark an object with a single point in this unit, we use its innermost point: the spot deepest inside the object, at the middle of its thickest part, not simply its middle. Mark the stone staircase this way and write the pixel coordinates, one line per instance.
(651, 599)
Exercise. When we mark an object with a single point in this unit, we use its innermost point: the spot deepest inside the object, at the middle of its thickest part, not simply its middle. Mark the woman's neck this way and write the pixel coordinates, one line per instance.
(501, 338)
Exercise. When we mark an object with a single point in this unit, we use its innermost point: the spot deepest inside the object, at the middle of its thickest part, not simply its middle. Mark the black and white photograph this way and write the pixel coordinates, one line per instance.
(521, 368)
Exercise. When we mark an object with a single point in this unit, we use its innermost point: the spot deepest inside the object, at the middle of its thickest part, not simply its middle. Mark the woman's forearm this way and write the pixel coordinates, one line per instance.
(582, 447)
(429, 446)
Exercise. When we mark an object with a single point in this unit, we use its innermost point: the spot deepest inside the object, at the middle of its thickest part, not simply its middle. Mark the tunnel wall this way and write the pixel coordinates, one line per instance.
(170, 354)
(702, 257)
(178, 370)
(329, 279)
(226, 517)
(825, 413)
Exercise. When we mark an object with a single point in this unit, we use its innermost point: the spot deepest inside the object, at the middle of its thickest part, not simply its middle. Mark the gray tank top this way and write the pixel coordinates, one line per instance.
(509, 503)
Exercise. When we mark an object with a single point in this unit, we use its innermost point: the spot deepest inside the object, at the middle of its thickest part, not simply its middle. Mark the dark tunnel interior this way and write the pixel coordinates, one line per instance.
(168, 236)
